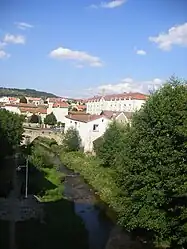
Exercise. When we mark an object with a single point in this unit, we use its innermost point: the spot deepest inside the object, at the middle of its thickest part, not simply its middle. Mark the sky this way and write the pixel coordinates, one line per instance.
(81, 48)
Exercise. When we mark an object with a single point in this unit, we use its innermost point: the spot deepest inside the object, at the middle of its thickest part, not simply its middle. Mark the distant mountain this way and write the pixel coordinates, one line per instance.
(14, 92)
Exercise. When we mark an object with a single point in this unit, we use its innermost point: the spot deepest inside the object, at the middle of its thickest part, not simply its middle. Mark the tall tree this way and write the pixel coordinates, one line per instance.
(23, 100)
(111, 143)
(11, 130)
(50, 119)
(153, 166)
(71, 140)
(34, 119)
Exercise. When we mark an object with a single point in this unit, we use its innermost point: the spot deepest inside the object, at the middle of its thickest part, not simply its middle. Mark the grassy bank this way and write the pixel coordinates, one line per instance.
(101, 179)
(62, 228)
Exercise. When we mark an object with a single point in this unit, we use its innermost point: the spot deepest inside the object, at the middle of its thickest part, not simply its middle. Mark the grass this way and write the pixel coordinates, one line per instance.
(62, 228)
(101, 179)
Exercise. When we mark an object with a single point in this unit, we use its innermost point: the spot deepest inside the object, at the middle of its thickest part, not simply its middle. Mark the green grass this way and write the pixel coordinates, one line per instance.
(101, 179)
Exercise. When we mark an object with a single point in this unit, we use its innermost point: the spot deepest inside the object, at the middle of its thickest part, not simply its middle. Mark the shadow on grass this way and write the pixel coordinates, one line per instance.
(62, 229)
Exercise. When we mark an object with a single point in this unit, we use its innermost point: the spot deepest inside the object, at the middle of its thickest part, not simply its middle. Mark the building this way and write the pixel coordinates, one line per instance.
(125, 102)
(35, 101)
(91, 127)
(59, 109)
(27, 109)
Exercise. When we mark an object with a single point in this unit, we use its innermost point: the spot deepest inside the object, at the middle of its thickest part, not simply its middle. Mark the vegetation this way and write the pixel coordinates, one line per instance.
(34, 119)
(50, 119)
(147, 174)
(111, 143)
(153, 167)
(23, 100)
(14, 92)
(61, 225)
(11, 131)
(71, 140)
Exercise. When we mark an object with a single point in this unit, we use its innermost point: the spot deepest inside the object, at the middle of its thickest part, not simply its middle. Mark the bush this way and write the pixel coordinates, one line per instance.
(111, 144)
(71, 140)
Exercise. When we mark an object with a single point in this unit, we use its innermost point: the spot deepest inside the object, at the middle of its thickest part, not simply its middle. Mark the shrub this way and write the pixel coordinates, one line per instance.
(71, 140)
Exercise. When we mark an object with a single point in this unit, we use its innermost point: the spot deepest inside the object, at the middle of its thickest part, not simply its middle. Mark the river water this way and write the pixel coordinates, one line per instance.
(97, 223)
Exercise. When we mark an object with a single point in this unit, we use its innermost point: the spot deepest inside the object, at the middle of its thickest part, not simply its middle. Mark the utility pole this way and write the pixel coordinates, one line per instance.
(13, 196)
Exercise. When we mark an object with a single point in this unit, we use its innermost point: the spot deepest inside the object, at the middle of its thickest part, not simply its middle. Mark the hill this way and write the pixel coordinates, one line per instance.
(14, 92)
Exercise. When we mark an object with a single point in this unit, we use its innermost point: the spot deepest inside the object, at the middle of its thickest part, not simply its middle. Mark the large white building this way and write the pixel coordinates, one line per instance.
(91, 127)
(125, 102)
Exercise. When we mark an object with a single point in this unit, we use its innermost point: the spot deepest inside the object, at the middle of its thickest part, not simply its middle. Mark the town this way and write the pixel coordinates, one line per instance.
(93, 124)
(90, 117)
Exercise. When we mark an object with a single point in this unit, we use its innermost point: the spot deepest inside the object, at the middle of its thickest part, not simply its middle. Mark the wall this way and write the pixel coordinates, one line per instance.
(86, 130)
(59, 113)
(13, 109)
(128, 105)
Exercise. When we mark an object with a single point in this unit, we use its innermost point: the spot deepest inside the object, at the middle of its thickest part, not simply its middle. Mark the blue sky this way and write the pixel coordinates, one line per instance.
(86, 47)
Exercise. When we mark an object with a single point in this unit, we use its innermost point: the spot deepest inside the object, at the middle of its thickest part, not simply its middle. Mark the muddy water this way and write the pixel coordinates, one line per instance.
(97, 223)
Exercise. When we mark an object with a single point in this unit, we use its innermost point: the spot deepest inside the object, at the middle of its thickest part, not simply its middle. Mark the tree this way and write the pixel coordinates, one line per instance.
(71, 140)
(23, 100)
(11, 130)
(111, 143)
(153, 166)
(50, 119)
(34, 119)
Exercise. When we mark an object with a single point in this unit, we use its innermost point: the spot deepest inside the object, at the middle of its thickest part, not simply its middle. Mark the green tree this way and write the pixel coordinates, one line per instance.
(71, 140)
(11, 130)
(111, 143)
(23, 100)
(153, 166)
(50, 119)
(34, 119)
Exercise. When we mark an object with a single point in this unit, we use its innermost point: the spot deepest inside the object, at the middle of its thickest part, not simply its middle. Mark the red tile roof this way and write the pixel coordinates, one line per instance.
(61, 105)
(85, 118)
(137, 96)
(33, 110)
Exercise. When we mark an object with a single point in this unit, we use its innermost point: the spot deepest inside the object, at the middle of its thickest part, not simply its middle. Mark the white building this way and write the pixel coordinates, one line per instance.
(60, 110)
(4, 99)
(12, 108)
(126, 102)
(35, 101)
(91, 127)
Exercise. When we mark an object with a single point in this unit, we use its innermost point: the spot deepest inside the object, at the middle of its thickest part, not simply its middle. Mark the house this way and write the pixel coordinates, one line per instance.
(91, 127)
(59, 109)
(79, 108)
(27, 109)
(4, 99)
(12, 108)
(125, 102)
(35, 101)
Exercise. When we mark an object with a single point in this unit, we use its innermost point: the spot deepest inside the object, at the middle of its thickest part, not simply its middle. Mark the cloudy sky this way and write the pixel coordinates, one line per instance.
(87, 47)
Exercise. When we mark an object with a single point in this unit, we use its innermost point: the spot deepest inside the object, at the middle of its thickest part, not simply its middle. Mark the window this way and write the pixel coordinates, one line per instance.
(95, 127)
(75, 124)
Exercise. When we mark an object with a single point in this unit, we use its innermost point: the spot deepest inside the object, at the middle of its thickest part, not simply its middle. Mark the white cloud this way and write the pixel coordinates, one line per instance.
(2, 44)
(23, 25)
(127, 85)
(14, 39)
(3, 54)
(109, 5)
(75, 55)
(176, 35)
(141, 52)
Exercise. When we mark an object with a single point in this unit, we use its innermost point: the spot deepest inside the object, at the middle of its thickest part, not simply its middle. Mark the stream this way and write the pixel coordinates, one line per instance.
(96, 222)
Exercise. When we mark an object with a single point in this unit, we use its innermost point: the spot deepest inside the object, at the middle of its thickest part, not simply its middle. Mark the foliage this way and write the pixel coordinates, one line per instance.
(101, 179)
(23, 100)
(50, 119)
(34, 119)
(111, 143)
(14, 92)
(71, 140)
(11, 130)
(153, 166)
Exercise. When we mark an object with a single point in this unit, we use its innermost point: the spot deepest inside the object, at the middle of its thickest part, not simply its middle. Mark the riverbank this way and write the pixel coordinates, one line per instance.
(101, 179)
